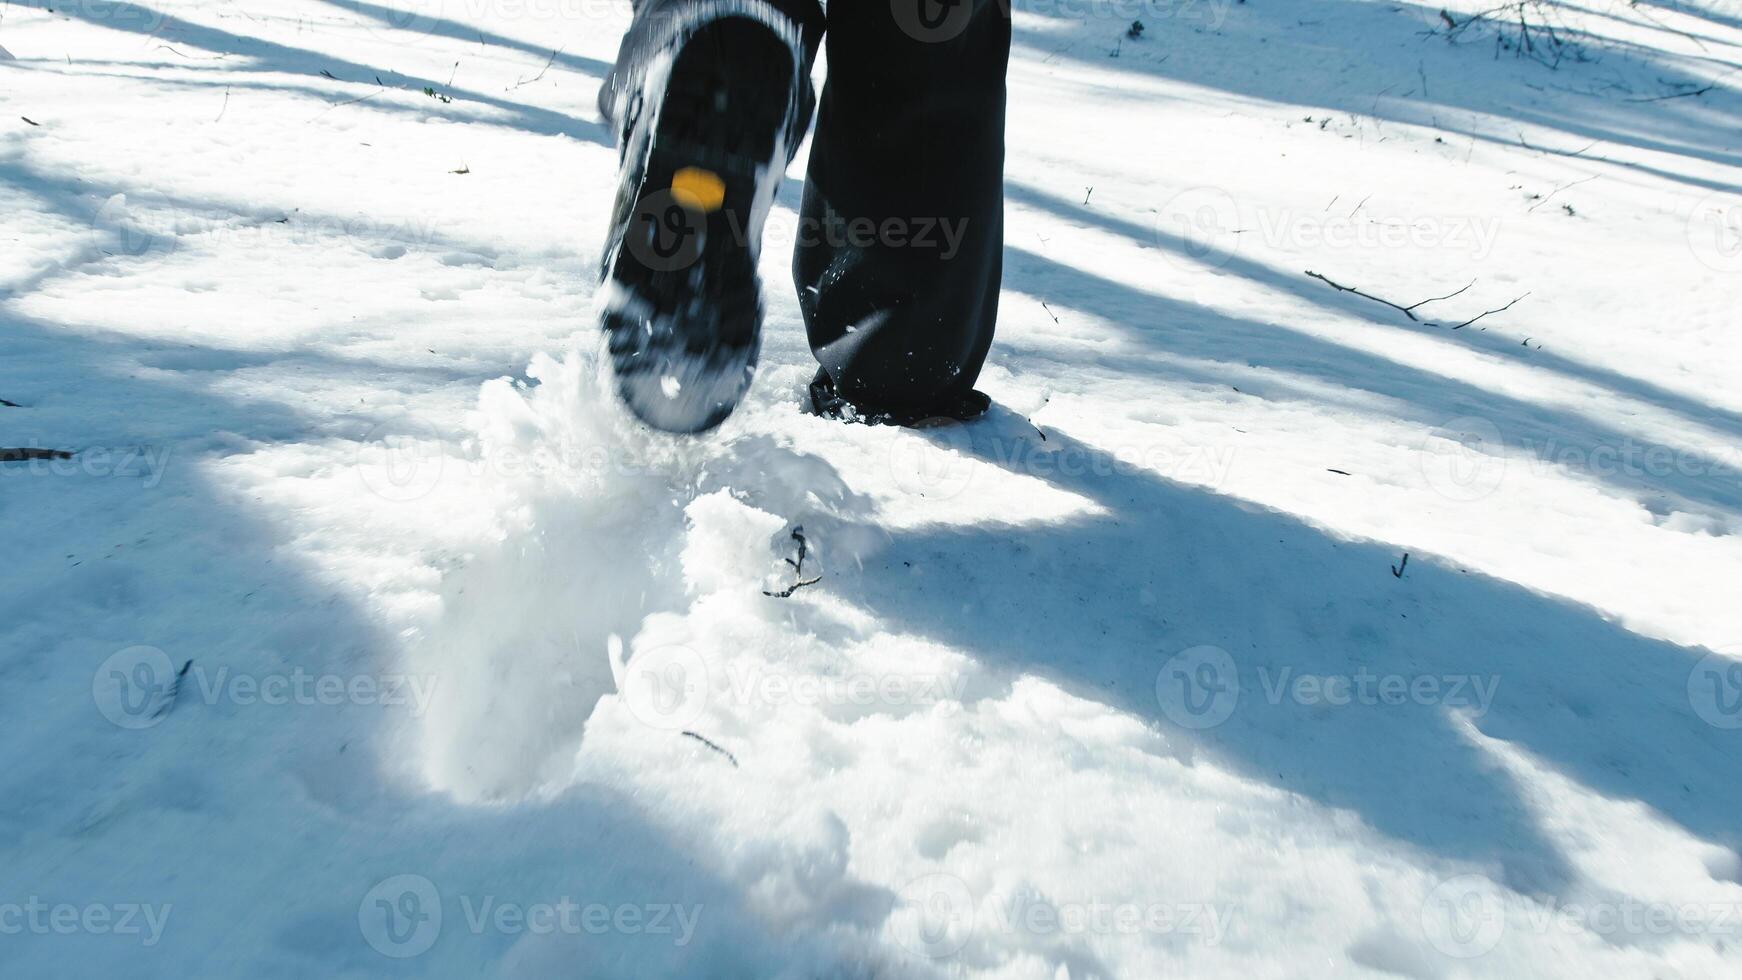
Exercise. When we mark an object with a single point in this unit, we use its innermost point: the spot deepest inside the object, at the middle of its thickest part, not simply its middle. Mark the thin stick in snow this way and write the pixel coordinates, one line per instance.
(1408, 311)
(547, 64)
(1502, 309)
(712, 745)
(799, 581)
(1557, 190)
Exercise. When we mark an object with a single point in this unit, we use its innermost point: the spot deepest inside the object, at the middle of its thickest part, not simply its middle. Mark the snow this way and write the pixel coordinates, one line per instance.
(1129, 679)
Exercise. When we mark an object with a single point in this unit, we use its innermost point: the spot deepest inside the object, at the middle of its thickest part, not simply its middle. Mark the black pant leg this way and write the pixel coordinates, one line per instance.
(901, 257)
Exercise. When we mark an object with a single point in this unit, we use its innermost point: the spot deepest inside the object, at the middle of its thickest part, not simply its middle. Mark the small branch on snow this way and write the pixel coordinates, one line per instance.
(1689, 94)
(30, 453)
(1408, 311)
(547, 64)
(167, 704)
(190, 57)
(1397, 570)
(799, 581)
(712, 745)
(1557, 190)
(1502, 309)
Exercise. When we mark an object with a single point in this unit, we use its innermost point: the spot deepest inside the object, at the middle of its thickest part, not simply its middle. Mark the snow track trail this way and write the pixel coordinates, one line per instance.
(1260, 630)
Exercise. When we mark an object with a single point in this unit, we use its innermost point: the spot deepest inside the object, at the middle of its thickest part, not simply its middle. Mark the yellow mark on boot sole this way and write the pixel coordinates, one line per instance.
(700, 189)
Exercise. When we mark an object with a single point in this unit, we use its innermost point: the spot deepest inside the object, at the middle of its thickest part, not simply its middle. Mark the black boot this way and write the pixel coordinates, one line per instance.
(962, 406)
(709, 109)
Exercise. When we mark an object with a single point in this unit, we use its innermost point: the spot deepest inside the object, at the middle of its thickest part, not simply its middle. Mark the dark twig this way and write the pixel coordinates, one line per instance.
(712, 745)
(1692, 94)
(1397, 570)
(167, 705)
(1557, 190)
(1502, 309)
(28, 453)
(529, 81)
(799, 581)
(1409, 311)
(1436, 299)
(6, 404)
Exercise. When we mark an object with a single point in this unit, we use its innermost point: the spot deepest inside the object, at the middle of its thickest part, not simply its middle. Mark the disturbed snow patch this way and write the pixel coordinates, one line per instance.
(601, 535)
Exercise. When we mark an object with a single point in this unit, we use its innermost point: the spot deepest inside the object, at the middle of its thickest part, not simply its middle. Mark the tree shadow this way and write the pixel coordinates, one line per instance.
(1300, 287)
(1711, 14)
(1169, 329)
(1390, 47)
(1604, 706)
(423, 23)
(268, 827)
(270, 56)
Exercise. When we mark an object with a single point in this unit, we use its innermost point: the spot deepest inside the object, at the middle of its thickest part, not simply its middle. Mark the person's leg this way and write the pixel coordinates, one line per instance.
(709, 99)
(900, 262)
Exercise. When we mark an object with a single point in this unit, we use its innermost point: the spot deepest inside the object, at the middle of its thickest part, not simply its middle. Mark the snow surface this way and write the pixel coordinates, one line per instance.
(1129, 679)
